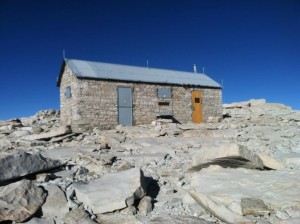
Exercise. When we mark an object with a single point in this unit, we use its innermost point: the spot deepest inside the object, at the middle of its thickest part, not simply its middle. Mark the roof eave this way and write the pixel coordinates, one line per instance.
(63, 64)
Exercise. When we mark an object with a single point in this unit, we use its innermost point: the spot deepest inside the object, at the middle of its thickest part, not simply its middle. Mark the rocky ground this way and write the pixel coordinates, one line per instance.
(242, 169)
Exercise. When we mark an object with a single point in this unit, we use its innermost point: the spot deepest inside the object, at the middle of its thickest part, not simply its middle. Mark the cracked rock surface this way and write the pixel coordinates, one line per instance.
(244, 168)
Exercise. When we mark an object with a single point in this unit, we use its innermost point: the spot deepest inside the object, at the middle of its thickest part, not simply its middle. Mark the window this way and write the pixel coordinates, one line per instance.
(197, 100)
(164, 93)
(68, 92)
(163, 103)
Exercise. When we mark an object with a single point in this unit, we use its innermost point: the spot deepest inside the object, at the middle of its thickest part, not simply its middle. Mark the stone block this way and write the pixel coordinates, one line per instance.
(112, 191)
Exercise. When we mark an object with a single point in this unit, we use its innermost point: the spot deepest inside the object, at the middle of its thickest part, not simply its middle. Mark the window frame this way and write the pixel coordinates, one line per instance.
(68, 92)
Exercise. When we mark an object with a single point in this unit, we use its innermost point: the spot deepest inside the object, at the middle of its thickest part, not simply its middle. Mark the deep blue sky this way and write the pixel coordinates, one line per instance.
(252, 45)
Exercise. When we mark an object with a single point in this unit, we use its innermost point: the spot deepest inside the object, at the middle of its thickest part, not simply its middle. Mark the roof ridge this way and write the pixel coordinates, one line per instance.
(136, 66)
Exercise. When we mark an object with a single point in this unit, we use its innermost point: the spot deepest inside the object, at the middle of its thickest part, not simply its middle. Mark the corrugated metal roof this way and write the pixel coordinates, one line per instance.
(99, 70)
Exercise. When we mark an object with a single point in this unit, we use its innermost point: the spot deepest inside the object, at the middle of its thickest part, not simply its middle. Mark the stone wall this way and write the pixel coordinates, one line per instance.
(67, 105)
(94, 103)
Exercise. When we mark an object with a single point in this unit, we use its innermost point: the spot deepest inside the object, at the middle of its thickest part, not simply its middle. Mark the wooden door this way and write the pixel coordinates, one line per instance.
(197, 106)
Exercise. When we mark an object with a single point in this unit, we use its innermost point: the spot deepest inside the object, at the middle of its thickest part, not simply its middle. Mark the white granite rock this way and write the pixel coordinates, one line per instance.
(227, 155)
(56, 203)
(20, 200)
(63, 130)
(221, 190)
(145, 206)
(270, 162)
(112, 191)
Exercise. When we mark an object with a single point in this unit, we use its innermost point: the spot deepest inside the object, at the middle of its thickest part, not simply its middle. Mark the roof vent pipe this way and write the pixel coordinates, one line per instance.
(195, 68)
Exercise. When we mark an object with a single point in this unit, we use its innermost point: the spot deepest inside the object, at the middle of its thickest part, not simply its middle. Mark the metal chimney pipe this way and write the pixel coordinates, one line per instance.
(195, 68)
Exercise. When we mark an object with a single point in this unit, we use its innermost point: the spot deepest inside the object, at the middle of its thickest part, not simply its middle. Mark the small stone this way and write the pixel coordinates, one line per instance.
(77, 216)
(42, 177)
(124, 166)
(145, 205)
(130, 210)
(254, 206)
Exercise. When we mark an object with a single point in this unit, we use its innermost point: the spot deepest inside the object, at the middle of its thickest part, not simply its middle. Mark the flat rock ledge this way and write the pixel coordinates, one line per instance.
(55, 132)
(112, 191)
(227, 155)
(22, 164)
(225, 198)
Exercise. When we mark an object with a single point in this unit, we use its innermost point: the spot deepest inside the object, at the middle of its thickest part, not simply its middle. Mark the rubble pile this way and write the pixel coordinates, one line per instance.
(244, 168)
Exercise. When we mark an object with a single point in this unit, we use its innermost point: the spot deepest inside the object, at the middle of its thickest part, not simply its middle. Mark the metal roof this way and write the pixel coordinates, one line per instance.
(100, 70)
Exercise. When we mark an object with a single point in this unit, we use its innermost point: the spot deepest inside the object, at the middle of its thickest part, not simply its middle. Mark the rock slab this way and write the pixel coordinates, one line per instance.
(55, 132)
(20, 200)
(112, 191)
(56, 204)
(228, 187)
(22, 164)
(227, 155)
(168, 219)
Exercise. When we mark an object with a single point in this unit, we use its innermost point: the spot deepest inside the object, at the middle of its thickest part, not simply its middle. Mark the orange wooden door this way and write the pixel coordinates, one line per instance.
(197, 106)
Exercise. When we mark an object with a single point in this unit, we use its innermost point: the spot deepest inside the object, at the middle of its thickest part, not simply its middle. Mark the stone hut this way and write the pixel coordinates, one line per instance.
(96, 94)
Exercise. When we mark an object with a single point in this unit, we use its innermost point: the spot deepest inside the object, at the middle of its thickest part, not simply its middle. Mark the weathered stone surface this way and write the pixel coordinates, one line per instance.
(236, 105)
(112, 191)
(77, 216)
(110, 139)
(145, 205)
(270, 162)
(117, 219)
(40, 221)
(124, 166)
(130, 210)
(164, 152)
(255, 102)
(56, 203)
(63, 130)
(214, 205)
(42, 177)
(12, 123)
(65, 154)
(254, 206)
(5, 144)
(19, 133)
(227, 155)
(288, 221)
(22, 164)
(61, 138)
(229, 186)
(20, 200)
(167, 219)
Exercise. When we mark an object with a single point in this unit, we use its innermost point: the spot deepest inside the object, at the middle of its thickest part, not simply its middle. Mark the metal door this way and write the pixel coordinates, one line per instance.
(197, 106)
(124, 106)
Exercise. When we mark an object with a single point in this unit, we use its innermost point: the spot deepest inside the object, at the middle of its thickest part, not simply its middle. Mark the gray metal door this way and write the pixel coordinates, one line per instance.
(124, 106)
